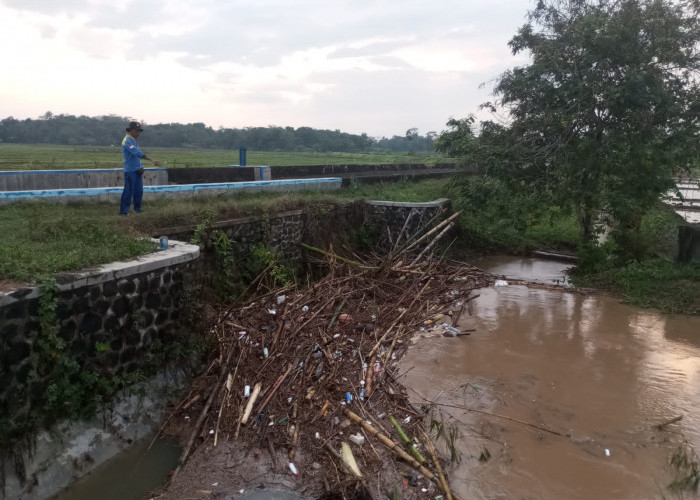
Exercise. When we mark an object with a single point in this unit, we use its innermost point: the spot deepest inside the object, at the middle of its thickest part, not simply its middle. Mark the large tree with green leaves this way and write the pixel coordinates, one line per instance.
(603, 116)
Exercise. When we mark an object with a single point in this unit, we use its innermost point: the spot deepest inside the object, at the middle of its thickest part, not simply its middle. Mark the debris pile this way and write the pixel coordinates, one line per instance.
(313, 372)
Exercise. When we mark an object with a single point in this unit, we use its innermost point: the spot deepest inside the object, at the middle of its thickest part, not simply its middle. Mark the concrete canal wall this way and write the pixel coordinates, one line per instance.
(33, 180)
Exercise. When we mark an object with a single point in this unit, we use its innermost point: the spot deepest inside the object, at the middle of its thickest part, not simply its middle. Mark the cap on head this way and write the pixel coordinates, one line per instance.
(134, 126)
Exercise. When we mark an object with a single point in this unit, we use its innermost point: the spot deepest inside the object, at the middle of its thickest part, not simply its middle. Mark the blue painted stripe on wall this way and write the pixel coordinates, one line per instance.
(51, 193)
(86, 171)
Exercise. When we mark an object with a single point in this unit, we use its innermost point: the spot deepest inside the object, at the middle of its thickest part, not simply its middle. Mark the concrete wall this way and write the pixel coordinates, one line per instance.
(31, 180)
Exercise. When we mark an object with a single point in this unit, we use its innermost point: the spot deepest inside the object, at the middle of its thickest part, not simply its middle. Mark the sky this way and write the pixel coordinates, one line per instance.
(378, 67)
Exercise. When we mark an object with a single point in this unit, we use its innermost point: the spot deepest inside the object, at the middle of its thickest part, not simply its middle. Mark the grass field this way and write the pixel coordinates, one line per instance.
(54, 157)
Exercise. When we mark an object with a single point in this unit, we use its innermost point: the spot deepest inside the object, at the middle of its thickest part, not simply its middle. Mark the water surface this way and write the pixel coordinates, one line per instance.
(600, 373)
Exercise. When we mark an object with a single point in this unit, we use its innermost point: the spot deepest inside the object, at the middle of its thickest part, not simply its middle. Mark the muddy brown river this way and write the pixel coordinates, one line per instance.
(598, 374)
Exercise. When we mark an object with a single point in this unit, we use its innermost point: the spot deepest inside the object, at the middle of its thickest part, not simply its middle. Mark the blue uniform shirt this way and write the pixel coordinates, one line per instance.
(132, 154)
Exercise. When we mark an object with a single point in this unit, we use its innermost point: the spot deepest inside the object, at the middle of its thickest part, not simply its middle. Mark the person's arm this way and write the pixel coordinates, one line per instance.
(155, 162)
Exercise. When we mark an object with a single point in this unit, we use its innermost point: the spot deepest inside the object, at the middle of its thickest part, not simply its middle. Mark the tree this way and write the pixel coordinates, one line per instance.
(606, 112)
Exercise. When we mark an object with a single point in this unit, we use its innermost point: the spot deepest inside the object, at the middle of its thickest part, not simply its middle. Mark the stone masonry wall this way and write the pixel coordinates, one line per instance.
(108, 319)
(393, 215)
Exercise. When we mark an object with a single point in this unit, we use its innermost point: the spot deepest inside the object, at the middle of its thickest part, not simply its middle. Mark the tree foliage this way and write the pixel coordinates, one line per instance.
(109, 130)
(603, 116)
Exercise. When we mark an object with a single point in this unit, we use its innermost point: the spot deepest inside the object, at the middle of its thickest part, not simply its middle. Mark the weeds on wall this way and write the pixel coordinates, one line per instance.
(224, 283)
(260, 260)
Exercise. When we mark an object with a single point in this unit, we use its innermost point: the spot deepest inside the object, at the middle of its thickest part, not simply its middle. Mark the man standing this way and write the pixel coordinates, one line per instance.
(133, 169)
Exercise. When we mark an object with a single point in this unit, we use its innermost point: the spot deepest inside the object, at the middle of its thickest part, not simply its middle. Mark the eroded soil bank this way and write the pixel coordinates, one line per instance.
(598, 374)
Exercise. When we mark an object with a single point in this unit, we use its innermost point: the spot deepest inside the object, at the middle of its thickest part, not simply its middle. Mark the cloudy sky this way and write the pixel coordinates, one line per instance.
(379, 67)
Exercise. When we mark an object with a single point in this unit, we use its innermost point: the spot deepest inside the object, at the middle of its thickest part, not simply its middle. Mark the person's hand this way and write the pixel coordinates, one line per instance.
(140, 171)
(155, 162)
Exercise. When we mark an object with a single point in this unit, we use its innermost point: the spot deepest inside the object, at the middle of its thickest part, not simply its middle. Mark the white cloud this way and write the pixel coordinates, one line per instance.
(379, 67)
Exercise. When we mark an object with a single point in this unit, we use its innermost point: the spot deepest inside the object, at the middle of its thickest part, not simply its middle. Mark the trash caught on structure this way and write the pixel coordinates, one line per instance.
(327, 374)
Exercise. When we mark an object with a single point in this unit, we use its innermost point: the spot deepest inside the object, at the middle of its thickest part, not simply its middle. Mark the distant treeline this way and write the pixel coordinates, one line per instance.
(109, 130)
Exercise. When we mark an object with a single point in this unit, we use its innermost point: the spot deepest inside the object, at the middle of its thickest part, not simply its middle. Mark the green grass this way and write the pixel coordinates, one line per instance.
(658, 283)
(53, 157)
(41, 239)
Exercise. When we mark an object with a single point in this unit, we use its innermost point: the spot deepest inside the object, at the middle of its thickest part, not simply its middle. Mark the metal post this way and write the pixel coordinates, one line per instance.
(242, 160)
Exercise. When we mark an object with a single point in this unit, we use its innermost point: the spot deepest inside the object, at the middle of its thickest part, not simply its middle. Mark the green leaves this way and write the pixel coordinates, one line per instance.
(603, 116)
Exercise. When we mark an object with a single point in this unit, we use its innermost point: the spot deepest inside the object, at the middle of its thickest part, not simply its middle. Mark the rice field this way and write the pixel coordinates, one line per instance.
(55, 157)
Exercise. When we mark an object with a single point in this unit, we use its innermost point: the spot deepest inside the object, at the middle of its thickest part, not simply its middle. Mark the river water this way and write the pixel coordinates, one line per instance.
(597, 373)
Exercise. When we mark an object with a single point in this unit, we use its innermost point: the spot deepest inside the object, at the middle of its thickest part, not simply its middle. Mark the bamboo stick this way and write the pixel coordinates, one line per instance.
(438, 466)
(337, 257)
(406, 441)
(403, 229)
(376, 346)
(251, 402)
(389, 444)
(433, 230)
(370, 374)
(274, 388)
(669, 422)
(432, 243)
(399, 331)
(203, 414)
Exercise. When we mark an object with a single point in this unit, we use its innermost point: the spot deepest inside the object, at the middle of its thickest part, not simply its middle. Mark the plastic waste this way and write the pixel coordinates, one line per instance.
(451, 331)
(281, 299)
(362, 394)
(358, 439)
(266, 353)
(246, 391)
(305, 309)
(348, 397)
(293, 468)
(272, 311)
(607, 452)
(500, 283)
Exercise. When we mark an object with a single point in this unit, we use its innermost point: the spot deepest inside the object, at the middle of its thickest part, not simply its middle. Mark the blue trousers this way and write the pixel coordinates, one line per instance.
(133, 188)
